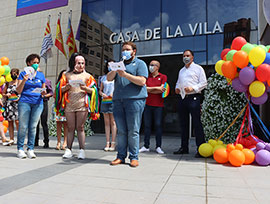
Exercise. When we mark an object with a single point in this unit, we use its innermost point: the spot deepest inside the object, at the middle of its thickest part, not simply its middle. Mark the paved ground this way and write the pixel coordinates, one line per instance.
(158, 179)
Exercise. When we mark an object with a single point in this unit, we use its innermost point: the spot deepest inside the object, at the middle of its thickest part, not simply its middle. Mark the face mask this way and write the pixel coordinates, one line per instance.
(35, 66)
(126, 55)
(14, 77)
(109, 69)
(151, 69)
(186, 60)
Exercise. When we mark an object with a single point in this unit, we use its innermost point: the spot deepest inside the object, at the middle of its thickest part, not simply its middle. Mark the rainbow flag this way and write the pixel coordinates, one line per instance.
(2, 109)
(167, 91)
(107, 100)
(13, 97)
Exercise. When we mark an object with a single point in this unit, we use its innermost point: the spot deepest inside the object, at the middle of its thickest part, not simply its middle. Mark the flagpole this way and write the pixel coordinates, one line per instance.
(57, 59)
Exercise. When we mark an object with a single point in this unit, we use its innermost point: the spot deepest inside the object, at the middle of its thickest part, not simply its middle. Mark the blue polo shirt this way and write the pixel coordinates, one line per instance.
(125, 89)
(27, 96)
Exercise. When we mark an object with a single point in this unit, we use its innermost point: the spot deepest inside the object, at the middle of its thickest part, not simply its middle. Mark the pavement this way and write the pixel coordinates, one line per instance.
(159, 179)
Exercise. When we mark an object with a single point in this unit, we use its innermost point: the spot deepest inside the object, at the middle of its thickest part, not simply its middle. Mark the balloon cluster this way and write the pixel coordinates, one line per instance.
(247, 67)
(208, 149)
(262, 152)
(4, 71)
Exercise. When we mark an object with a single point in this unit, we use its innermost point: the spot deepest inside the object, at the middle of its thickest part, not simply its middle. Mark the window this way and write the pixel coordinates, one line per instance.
(106, 48)
(83, 23)
(97, 31)
(89, 37)
(82, 34)
(90, 27)
(85, 50)
(98, 54)
(97, 65)
(90, 63)
(106, 57)
(92, 52)
(110, 49)
(97, 41)
(82, 45)
(106, 36)
(85, 62)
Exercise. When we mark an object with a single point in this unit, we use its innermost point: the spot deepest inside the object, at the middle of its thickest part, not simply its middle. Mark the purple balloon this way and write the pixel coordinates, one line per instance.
(260, 146)
(254, 150)
(238, 86)
(263, 157)
(259, 100)
(267, 147)
(247, 75)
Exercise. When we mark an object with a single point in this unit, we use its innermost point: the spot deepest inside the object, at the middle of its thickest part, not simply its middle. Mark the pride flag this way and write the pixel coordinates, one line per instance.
(167, 91)
(13, 97)
(107, 100)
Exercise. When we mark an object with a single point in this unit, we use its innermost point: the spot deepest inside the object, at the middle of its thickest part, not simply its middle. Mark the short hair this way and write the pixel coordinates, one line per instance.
(71, 62)
(31, 57)
(106, 70)
(16, 70)
(132, 44)
(188, 50)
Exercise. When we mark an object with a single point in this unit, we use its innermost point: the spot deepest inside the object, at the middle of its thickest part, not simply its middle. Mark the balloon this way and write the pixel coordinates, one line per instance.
(240, 59)
(229, 69)
(5, 129)
(221, 156)
(2, 80)
(256, 56)
(4, 61)
(206, 150)
(263, 72)
(219, 142)
(247, 47)
(263, 47)
(256, 89)
(239, 147)
(246, 75)
(5, 123)
(7, 70)
(263, 157)
(260, 146)
(267, 59)
(267, 47)
(229, 56)
(249, 156)
(267, 147)
(2, 70)
(238, 43)
(259, 100)
(224, 52)
(212, 142)
(230, 147)
(218, 147)
(218, 67)
(238, 86)
(236, 157)
(8, 78)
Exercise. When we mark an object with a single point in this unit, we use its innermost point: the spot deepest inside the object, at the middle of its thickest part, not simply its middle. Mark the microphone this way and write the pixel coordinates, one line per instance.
(124, 58)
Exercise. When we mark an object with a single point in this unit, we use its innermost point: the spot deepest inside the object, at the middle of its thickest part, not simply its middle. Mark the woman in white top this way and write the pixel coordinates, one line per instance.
(106, 92)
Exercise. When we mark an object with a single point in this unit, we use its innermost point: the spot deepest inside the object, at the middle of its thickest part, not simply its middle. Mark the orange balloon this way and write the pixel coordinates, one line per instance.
(230, 147)
(221, 156)
(5, 129)
(5, 123)
(4, 61)
(236, 157)
(229, 69)
(239, 147)
(240, 59)
(249, 156)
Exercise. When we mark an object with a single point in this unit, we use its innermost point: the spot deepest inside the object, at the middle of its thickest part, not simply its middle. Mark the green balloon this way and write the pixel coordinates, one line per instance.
(247, 47)
(7, 70)
(229, 56)
(268, 47)
(263, 47)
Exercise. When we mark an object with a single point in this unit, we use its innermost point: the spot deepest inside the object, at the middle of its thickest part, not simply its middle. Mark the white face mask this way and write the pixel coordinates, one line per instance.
(186, 60)
(151, 69)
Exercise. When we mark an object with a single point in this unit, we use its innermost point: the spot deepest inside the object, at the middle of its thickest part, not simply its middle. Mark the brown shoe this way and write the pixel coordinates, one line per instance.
(134, 163)
(116, 162)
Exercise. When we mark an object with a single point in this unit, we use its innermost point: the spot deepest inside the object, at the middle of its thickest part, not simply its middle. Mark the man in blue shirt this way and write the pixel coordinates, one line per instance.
(128, 103)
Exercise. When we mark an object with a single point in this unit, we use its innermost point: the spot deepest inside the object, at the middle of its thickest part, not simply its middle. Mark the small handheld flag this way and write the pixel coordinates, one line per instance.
(167, 91)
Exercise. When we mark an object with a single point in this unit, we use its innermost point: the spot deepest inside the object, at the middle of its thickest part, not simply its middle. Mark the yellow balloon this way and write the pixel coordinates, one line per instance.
(1, 96)
(218, 67)
(2, 70)
(206, 150)
(219, 146)
(256, 89)
(2, 80)
(229, 81)
(256, 56)
(8, 78)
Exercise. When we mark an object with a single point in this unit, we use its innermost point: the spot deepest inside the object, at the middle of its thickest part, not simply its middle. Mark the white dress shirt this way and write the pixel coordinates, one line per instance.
(193, 76)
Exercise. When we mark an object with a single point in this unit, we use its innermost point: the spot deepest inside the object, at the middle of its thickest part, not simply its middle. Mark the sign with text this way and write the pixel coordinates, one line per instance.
(32, 6)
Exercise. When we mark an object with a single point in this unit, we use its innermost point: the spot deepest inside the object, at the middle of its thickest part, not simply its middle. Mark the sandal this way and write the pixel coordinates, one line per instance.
(107, 148)
(112, 148)
(58, 146)
(64, 147)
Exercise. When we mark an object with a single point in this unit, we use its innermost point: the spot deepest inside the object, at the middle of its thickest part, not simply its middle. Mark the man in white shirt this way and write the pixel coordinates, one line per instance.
(191, 81)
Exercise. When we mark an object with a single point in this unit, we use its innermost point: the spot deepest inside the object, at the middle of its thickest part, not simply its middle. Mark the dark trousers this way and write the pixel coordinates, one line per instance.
(44, 118)
(152, 113)
(191, 105)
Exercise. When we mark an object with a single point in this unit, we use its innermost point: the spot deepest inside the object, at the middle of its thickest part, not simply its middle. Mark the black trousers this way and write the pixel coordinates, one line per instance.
(191, 105)
(44, 118)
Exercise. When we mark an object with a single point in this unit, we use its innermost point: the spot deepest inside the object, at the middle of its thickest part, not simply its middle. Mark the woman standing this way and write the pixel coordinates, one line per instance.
(30, 106)
(76, 86)
(11, 104)
(106, 92)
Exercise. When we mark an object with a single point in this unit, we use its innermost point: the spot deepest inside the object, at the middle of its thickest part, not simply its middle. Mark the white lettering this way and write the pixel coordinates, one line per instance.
(200, 28)
(128, 33)
(156, 33)
(193, 30)
(135, 37)
(112, 38)
(205, 28)
(168, 35)
(178, 31)
(148, 34)
(121, 38)
(217, 28)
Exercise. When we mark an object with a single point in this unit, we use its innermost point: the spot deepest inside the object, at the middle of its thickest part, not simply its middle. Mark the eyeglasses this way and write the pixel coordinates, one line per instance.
(154, 65)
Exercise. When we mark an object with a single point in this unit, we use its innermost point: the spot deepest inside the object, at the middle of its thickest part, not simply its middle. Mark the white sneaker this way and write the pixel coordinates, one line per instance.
(31, 154)
(159, 150)
(144, 149)
(21, 154)
(81, 154)
(68, 154)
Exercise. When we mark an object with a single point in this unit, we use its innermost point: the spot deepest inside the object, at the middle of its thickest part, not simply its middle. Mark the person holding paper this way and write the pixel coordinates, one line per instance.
(128, 103)
(30, 106)
(78, 101)
(191, 80)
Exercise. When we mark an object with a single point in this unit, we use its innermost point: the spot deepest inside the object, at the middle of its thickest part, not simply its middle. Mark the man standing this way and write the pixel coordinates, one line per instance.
(191, 81)
(154, 106)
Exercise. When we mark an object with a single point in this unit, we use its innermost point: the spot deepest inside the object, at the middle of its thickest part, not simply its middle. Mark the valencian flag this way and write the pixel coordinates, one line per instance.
(47, 42)
(70, 39)
(59, 43)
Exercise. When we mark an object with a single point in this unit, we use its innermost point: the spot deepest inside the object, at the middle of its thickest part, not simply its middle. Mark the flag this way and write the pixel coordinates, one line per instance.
(78, 31)
(70, 39)
(47, 43)
(59, 43)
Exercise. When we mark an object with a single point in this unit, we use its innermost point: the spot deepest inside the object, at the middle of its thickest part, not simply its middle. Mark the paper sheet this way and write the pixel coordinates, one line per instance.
(30, 71)
(76, 83)
(38, 90)
(117, 66)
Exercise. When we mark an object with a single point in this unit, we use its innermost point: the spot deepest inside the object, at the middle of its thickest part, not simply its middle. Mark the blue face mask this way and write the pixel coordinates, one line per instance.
(109, 69)
(126, 55)
(35, 66)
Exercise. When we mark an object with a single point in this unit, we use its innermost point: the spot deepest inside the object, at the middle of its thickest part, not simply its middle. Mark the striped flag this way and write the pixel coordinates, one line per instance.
(70, 39)
(47, 43)
(59, 43)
